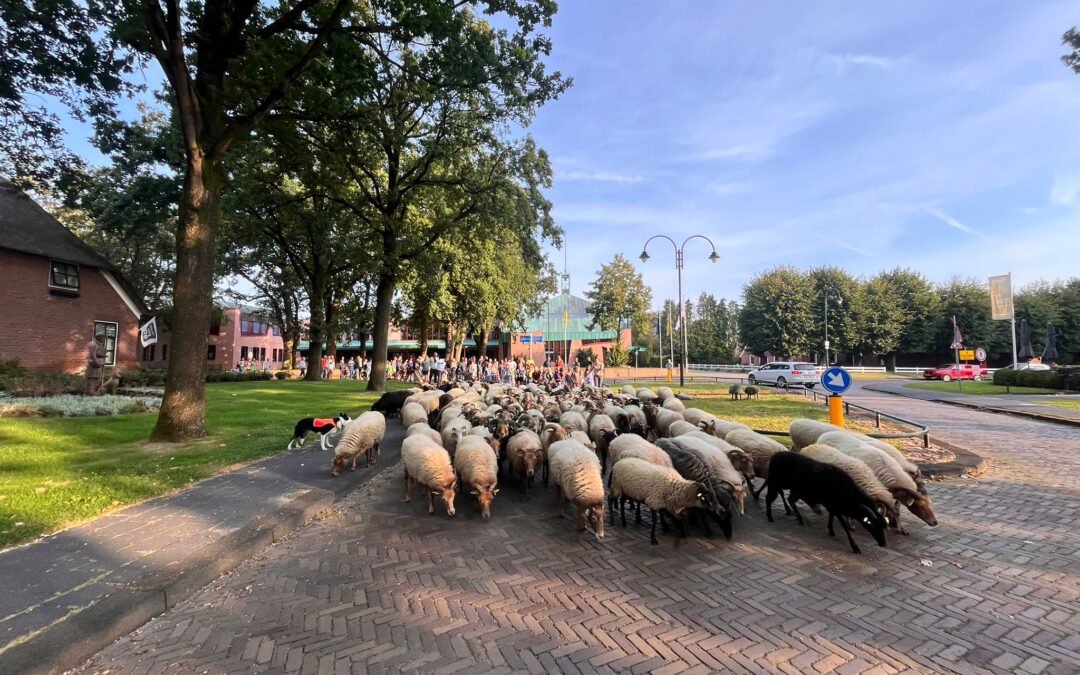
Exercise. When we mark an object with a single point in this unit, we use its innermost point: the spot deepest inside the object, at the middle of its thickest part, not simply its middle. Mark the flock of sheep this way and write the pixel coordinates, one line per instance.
(682, 463)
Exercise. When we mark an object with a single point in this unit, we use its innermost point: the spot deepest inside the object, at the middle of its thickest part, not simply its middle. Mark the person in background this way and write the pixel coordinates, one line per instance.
(266, 365)
(303, 367)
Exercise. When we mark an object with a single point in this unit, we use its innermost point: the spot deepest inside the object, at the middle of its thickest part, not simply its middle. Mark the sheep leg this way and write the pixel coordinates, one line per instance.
(770, 497)
(558, 498)
(680, 524)
(408, 487)
(787, 509)
(354, 458)
(545, 472)
(611, 510)
(847, 530)
(663, 523)
(580, 525)
(622, 509)
(652, 535)
(637, 520)
(792, 499)
(764, 485)
(705, 524)
(430, 501)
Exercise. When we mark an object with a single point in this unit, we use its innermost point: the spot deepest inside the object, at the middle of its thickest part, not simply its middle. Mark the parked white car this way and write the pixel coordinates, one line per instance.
(1027, 366)
(783, 374)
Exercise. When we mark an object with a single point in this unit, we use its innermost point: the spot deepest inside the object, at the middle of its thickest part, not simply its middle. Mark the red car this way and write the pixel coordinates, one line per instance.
(950, 371)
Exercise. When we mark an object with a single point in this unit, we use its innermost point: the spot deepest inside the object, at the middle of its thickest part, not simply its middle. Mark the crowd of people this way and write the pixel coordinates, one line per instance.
(252, 366)
(435, 370)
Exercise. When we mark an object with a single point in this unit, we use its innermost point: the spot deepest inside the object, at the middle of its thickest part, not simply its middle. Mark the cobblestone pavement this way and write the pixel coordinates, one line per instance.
(379, 586)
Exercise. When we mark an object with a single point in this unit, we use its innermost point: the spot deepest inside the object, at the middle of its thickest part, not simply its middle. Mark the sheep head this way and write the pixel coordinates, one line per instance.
(594, 515)
(742, 462)
(874, 521)
(447, 494)
(528, 460)
(484, 495)
(919, 504)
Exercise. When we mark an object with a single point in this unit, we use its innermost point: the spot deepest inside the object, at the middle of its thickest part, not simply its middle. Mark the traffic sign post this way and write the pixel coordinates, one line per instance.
(836, 381)
(980, 355)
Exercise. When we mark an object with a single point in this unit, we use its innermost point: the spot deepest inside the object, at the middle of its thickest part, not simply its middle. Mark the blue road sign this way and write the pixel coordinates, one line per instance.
(836, 380)
(525, 339)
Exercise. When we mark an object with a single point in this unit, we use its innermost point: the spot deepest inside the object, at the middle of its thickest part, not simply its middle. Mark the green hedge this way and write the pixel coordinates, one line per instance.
(232, 376)
(1048, 379)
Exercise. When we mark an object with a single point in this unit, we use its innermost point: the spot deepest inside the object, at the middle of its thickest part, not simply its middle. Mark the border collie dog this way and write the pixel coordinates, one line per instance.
(324, 426)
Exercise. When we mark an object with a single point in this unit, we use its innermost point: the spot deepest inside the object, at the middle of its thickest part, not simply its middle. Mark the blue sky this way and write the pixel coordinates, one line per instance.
(938, 136)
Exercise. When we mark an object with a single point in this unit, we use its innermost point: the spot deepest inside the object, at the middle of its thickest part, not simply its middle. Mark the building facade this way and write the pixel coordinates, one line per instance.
(59, 294)
(239, 333)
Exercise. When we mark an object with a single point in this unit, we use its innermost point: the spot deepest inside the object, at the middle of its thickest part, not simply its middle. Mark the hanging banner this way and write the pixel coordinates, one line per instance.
(148, 333)
(1001, 298)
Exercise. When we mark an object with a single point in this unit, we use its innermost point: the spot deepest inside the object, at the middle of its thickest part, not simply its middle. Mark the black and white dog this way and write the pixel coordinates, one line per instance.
(324, 426)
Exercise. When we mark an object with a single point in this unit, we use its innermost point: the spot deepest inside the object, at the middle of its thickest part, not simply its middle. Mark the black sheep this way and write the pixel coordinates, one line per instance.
(390, 403)
(815, 482)
(691, 467)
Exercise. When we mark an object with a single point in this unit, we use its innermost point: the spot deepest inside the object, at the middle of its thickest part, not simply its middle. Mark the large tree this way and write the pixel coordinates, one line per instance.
(619, 295)
(777, 313)
(230, 66)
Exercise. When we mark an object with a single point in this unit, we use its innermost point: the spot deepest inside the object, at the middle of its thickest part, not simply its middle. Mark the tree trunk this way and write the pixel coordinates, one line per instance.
(317, 325)
(892, 361)
(384, 298)
(182, 414)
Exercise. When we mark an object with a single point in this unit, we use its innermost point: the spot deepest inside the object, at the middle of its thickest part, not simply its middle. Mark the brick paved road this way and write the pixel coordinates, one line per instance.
(380, 586)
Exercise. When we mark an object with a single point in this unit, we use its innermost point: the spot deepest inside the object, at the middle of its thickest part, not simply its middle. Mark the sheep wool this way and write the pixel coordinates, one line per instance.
(674, 404)
(805, 432)
(573, 420)
(658, 487)
(664, 393)
(478, 467)
(720, 427)
(664, 419)
(859, 472)
(453, 432)
(680, 427)
(719, 463)
(361, 435)
(696, 416)
(761, 448)
(887, 448)
(413, 413)
(428, 464)
(576, 474)
(887, 470)
(423, 429)
(631, 445)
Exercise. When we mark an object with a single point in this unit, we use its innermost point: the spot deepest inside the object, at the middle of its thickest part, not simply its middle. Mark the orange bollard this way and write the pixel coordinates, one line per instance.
(836, 410)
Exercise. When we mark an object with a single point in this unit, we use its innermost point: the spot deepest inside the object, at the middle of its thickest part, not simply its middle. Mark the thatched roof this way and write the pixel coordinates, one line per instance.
(28, 228)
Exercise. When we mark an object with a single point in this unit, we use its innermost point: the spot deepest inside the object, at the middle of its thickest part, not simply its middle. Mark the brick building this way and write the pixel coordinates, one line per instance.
(58, 293)
(238, 333)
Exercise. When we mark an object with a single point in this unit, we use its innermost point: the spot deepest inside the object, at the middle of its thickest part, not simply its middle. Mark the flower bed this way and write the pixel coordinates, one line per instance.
(72, 405)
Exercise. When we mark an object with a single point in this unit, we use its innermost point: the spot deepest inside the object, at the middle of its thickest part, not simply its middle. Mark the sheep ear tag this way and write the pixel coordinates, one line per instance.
(866, 520)
(475, 492)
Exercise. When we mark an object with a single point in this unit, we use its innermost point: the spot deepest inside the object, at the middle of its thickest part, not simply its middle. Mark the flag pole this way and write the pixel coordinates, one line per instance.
(1013, 321)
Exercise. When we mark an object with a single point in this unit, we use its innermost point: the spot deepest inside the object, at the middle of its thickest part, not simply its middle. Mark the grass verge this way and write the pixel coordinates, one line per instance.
(55, 471)
(976, 388)
(1064, 403)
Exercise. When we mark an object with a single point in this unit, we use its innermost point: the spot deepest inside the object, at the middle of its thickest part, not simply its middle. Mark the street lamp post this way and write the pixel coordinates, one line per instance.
(679, 261)
(839, 303)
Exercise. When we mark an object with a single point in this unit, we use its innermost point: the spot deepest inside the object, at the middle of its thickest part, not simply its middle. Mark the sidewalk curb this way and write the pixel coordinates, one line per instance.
(79, 635)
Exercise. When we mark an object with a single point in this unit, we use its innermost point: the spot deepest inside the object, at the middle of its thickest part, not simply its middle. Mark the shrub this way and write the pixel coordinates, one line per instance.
(143, 377)
(1049, 379)
(282, 374)
(69, 405)
(10, 372)
(585, 356)
(16, 379)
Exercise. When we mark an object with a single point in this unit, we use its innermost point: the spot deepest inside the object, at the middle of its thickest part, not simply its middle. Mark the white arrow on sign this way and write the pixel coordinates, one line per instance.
(836, 379)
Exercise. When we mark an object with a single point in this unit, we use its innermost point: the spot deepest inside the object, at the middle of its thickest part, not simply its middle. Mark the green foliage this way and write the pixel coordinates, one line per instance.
(1047, 379)
(73, 405)
(11, 371)
(713, 330)
(617, 295)
(969, 301)
(233, 376)
(777, 314)
(618, 356)
(282, 375)
(143, 377)
(1071, 39)
(585, 356)
(917, 305)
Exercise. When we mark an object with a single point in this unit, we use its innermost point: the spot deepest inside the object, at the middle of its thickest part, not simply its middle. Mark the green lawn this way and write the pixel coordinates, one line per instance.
(1063, 403)
(976, 388)
(54, 471)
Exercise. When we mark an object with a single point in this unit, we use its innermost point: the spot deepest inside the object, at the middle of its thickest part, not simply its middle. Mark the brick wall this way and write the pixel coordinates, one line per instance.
(227, 345)
(51, 332)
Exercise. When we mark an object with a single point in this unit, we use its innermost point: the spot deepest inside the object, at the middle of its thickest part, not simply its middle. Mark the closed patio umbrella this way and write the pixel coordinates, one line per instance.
(1026, 352)
(1050, 354)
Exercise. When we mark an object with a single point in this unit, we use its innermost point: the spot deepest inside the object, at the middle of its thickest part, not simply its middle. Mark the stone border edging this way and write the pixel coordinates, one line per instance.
(1031, 414)
(67, 642)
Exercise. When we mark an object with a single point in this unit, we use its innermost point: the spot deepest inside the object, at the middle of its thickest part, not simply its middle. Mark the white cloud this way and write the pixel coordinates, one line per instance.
(856, 249)
(882, 62)
(1065, 190)
(727, 188)
(599, 176)
(953, 222)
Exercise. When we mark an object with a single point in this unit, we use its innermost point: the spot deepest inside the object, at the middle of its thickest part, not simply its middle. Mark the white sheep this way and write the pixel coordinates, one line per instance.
(361, 435)
(551, 433)
(413, 413)
(860, 473)
(664, 393)
(719, 464)
(423, 429)
(576, 473)
(658, 487)
(696, 416)
(646, 395)
(583, 438)
(759, 447)
(453, 431)
(674, 404)
(632, 445)
(638, 422)
(720, 427)
(427, 463)
(805, 432)
(628, 389)
(680, 427)
(478, 468)
(908, 466)
(893, 476)
(573, 420)
(664, 419)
